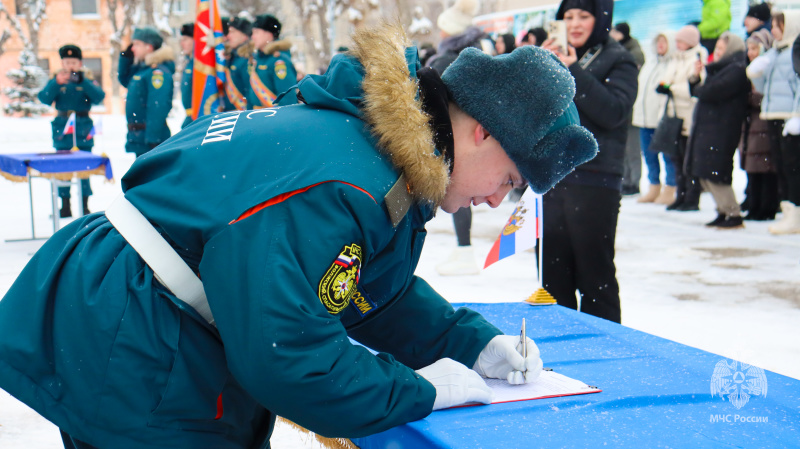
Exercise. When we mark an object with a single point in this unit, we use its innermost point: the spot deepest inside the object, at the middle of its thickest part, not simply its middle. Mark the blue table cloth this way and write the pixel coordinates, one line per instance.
(656, 393)
(82, 163)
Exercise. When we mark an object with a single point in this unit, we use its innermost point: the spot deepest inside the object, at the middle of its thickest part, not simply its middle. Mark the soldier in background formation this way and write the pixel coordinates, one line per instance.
(239, 49)
(72, 89)
(145, 69)
(271, 69)
(187, 48)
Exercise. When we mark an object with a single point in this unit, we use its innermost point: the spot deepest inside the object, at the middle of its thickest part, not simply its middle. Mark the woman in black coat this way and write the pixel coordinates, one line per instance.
(580, 212)
(716, 128)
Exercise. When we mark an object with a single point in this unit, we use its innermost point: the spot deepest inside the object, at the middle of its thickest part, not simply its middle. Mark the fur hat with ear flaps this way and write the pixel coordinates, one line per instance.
(524, 100)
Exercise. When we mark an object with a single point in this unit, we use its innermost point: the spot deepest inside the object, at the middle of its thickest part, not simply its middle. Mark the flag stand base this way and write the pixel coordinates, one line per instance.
(541, 298)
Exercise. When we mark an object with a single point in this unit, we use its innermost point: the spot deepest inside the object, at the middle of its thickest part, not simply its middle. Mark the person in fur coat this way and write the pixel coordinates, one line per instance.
(755, 150)
(716, 129)
(145, 69)
(287, 232)
(271, 69)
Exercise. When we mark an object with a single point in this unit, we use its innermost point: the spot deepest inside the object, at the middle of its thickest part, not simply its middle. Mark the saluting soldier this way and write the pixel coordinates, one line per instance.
(73, 89)
(187, 48)
(239, 51)
(145, 69)
(271, 71)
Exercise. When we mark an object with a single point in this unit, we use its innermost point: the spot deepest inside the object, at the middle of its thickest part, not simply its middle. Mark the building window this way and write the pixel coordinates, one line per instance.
(19, 5)
(45, 65)
(180, 6)
(84, 7)
(96, 66)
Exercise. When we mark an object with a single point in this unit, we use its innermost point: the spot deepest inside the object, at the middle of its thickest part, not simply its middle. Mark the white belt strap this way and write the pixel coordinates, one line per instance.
(169, 268)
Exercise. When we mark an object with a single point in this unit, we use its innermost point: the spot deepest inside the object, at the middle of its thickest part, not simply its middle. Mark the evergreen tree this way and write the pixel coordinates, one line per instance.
(28, 80)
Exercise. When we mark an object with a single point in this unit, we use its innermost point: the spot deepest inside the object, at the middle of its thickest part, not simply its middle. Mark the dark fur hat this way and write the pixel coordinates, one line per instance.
(760, 11)
(524, 100)
(225, 24)
(269, 23)
(241, 24)
(148, 35)
(187, 29)
(70, 51)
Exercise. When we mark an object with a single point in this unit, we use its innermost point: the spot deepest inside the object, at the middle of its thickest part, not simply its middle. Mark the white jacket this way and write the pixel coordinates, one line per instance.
(682, 68)
(773, 74)
(649, 105)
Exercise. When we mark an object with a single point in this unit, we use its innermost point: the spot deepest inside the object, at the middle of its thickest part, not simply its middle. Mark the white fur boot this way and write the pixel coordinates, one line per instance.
(790, 223)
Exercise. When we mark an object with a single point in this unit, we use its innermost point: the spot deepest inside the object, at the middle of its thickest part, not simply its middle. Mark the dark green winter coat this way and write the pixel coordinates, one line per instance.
(149, 99)
(186, 91)
(68, 98)
(271, 74)
(283, 214)
(238, 81)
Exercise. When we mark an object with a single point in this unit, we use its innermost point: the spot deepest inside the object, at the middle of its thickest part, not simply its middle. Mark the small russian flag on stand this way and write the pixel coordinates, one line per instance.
(521, 231)
(69, 128)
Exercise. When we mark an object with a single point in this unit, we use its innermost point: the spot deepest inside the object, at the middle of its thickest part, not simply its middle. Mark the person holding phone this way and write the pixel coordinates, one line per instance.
(686, 60)
(72, 89)
(580, 213)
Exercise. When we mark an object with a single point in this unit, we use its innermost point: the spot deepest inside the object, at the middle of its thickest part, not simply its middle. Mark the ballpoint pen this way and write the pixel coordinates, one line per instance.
(523, 342)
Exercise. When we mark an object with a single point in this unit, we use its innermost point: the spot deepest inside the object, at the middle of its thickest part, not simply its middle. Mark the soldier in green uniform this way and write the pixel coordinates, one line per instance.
(187, 48)
(239, 50)
(223, 288)
(145, 69)
(72, 89)
(271, 71)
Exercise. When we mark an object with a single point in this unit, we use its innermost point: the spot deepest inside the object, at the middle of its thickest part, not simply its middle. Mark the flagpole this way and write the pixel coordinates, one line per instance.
(540, 296)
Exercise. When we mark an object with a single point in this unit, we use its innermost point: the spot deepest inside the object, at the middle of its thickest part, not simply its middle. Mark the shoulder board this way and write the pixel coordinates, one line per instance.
(398, 201)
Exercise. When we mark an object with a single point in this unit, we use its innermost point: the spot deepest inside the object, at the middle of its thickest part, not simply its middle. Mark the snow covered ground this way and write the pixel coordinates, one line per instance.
(735, 293)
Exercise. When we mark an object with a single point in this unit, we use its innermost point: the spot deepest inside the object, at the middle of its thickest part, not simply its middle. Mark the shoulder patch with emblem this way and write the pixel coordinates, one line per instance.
(157, 79)
(363, 303)
(280, 69)
(339, 283)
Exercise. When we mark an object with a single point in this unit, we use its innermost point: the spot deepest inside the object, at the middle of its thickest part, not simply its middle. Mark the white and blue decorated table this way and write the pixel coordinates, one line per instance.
(656, 393)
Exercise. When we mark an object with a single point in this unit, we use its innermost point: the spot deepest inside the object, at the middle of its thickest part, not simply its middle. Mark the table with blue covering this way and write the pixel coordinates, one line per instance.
(656, 393)
(58, 167)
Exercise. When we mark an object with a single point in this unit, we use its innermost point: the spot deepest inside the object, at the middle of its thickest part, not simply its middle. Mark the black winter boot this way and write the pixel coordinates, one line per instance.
(86, 206)
(66, 211)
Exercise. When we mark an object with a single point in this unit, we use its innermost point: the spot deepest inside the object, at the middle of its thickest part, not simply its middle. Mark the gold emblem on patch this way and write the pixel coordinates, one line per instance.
(280, 69)
(340, 281)
(157, 80)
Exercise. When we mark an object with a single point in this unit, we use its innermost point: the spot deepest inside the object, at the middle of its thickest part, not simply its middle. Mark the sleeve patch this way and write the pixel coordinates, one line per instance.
(363, 303)
(280, 69)
(157, 79)
(338, 285)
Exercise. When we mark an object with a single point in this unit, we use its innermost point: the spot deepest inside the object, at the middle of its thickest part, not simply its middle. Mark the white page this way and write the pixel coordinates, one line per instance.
(548, 384)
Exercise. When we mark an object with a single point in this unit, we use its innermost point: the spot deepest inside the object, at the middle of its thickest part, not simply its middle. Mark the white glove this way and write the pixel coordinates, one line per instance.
(502, 359)
(757, 67)
(792, 126)
(455, 384)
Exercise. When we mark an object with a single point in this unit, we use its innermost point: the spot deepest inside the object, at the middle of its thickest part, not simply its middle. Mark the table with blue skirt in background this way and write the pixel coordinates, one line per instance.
(58, 167)
(656, 393)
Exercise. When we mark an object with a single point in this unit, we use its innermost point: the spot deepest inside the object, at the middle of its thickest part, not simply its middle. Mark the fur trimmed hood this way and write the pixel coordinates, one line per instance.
(377, 82)
(272, 47)
(160, 56)
(246, 50)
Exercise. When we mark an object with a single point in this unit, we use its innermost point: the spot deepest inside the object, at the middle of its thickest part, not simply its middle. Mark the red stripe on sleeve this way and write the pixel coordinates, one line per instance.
(285, 196)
